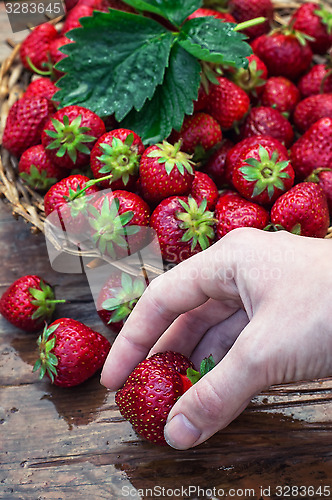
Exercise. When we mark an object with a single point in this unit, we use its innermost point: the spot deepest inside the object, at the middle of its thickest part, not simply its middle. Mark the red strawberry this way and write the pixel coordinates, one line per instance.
(25, 123)
(281, 94)
(318, 80)
(42, 87)
(315, 21)
(244, 10)
(202, 188)
(28, 303)
(117, 221)
(183, 227)
(233, 211)
(153, 388)
(302, 210)
(263, 120)
(73, 17)
(262, 174)
(311, 109)
(36, 169)
(165, 171)
(225, 17)
(55, 53)
(252, 79)
(199, 133)
(70, 352)
(313, 149)
(227, 103)
(36, 46)
(70, 4)
(323, 177)
(215, 166)
(202, 99)
(118, 297)
(285, 53)
(118, 153)
(70, 134)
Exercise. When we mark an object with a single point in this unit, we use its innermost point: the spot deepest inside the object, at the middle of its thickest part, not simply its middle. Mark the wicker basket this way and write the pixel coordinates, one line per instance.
(14, 78)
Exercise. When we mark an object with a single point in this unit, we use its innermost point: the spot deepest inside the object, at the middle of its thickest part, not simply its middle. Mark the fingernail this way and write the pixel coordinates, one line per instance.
(180, 433)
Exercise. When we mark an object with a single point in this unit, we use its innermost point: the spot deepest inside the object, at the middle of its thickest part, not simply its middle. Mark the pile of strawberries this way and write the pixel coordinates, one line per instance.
(257, 152)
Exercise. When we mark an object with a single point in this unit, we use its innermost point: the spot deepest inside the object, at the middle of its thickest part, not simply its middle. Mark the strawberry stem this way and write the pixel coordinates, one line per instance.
(250, 23)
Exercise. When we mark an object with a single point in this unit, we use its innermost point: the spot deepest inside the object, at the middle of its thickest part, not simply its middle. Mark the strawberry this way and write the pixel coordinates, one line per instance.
(311, 109)
(55, 53)
(25, 122)
(215, 166)
(253, 78)
(313, 149)
(165, 171)
(42, 87)
(233, 211)
(118, 297)
(225, 17)
(227, 103)
(314, 20)
(118, 153)
(70, 134)
(244, 10)
(72, 19)
(323, 177)
(302, 210)
(317, 80)
(183, 227)
(263, 120)
(69, 4)
(199, 133)
(202, 99)
(202, 188)
(281, 94)
(262, 174)
(153, 387)
(34, 48)
(70, 352)
(36, 169)
(285, 53)
(28, 303)
(117, 220)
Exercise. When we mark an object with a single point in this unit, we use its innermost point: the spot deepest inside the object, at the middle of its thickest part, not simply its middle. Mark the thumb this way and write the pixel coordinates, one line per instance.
(220, 396)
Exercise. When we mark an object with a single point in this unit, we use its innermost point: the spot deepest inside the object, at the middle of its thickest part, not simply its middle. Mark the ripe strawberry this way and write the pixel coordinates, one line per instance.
(262, 174)
(263, 120)
(70, 134)
(36, 169)
(313, 149)
(244, 10)
(55, 53)
(118, 153)
(315, 21)
(70, 352)
(153, 388)
(28, 303)
(227, 103)
(302, 210)
(311, 109)
(35, 46)
(225, 17)
(118, 297)
(202, 99)
(72, 19)
(233, 211)
(183, 227)
(281, 94)
(285, 53)
(215, 166)
(165, 171)
(202, 188)
(69, 4)
(117, 220)
(42, 87)
(323, 177)
(25, 122)
(318, 80)
(252, 79)
(199, 133)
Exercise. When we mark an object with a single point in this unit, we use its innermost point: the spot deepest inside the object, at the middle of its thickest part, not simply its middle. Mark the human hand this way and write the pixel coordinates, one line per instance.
(259, 302)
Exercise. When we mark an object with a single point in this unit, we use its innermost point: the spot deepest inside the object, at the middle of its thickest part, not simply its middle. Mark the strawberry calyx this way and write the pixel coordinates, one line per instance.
(250, 78)
(120, 158)
(197, 222)
(303, 38)
(124, 298)
(38, 179)
(266, 173)
(109, 227)
(192, 376)
(296, 229)
(314, 176)
(47, 361)
(44, 301)
(325, 18)
(69, 137)
(172, 156)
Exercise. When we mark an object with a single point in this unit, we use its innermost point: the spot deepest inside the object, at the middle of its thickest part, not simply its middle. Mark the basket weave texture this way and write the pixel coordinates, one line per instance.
(14, 78)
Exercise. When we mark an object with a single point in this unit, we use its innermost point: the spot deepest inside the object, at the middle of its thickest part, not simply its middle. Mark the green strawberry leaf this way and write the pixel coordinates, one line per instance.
(210, 40)
(173, 10)
(116, 63)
